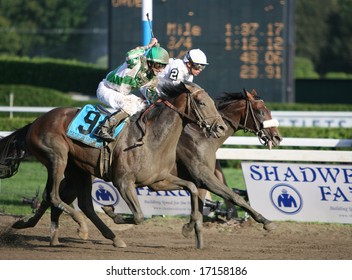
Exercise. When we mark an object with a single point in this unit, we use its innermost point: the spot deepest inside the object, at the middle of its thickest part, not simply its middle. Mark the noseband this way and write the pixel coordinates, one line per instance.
(200, 119)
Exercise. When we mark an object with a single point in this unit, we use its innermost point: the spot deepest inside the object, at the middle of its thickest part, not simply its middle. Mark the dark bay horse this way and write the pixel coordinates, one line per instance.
(196, 154)
(240, 111)
(131, 164)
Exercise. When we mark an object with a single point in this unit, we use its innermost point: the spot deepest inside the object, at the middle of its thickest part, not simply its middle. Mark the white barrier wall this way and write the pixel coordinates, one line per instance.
(313, 119)
(300, 192)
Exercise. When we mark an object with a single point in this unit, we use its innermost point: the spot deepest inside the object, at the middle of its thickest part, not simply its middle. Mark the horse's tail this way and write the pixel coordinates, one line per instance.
(12, 151)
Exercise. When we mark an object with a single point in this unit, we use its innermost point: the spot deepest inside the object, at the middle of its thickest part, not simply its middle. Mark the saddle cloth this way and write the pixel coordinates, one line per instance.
(87, 120)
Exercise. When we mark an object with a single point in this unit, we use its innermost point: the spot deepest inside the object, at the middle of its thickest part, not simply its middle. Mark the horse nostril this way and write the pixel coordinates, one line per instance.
(221, 128)
(278, 139)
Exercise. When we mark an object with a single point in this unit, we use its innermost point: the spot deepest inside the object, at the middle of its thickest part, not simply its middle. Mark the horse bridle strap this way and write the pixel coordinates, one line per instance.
(190, 103)
(201, 121)
(168, 104)
(258, 131)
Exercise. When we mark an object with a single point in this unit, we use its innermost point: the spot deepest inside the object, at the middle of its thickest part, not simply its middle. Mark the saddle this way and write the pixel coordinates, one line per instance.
(82, 128)
(106, 150)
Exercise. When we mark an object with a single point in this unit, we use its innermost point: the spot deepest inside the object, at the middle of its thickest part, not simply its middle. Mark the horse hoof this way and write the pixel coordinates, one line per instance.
(119, 243)
(82, 234)
(200, 245)
(23, 223)
(19, 224)
(187, 230)
(54, 243)
(139, 220)
(118, 219)
(270, 226)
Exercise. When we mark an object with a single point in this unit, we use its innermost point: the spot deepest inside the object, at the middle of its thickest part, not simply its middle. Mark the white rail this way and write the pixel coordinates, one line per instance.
(306, 155)
(276, 154)
(286, 118)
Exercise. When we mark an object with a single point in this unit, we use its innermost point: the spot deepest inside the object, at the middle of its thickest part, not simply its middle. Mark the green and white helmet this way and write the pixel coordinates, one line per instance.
(158, 54)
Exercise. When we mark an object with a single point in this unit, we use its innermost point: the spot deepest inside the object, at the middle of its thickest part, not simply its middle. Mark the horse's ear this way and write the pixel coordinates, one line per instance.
(247, 94)
(254, 93)
(188, 86)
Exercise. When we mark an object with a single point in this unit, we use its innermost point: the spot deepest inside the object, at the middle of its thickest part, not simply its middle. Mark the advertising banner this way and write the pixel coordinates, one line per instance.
(152, 203)
(300, 192)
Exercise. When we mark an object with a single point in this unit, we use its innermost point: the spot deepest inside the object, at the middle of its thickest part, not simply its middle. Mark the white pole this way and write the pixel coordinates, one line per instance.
(147, 8)
(12, 96)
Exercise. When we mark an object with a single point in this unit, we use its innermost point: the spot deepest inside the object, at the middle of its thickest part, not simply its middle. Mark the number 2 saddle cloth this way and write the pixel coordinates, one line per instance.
(86, 122)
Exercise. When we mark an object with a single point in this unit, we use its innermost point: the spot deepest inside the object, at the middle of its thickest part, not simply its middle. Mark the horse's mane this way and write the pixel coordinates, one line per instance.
(229, 97)
(171, 90)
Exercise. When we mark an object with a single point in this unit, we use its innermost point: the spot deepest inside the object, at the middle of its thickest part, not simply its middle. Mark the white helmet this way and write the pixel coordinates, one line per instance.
(196, 56)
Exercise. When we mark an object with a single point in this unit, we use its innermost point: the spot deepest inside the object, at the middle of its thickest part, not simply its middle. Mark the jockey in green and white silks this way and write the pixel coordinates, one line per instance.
(139, 71)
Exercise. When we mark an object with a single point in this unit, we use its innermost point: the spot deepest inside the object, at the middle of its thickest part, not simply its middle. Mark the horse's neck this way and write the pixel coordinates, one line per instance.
(165, 130)
(229, 132)
(230, 122)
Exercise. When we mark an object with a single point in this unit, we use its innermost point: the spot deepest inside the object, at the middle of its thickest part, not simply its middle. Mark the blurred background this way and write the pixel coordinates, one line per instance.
(313, 43)
(297, 54)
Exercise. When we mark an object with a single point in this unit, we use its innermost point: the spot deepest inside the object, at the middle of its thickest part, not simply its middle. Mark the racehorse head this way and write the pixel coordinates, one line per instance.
(200, 107)
(247, 111)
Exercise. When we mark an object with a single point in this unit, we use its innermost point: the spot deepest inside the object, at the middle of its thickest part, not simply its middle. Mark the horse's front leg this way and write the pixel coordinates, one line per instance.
(196, 221)
(83, 184)
(213, 184)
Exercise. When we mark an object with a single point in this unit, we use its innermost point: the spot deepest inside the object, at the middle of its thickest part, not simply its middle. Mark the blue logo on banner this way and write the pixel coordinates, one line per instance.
(104, 193)
(286, 199)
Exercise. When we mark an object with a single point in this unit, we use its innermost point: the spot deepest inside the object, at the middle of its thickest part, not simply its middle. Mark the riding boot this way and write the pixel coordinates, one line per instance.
(106, 129)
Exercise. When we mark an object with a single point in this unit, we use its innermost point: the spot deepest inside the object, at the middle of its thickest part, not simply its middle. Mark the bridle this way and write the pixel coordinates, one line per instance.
(258, 126)
(200, 119)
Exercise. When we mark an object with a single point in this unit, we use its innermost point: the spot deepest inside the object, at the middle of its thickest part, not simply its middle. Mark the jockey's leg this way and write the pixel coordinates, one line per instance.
(105, 129)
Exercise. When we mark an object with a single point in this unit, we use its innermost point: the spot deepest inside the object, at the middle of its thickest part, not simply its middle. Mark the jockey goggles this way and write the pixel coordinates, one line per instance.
(197, 66)
(158, 65)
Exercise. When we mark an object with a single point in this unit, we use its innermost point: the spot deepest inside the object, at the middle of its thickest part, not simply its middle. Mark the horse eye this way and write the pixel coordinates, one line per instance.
(261, 113)
(202, 103)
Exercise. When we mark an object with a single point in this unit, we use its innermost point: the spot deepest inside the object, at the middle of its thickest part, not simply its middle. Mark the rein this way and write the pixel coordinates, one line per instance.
(200, 120)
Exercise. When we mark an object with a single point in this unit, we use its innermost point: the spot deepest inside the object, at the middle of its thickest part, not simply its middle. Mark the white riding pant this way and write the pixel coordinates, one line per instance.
(129, 103)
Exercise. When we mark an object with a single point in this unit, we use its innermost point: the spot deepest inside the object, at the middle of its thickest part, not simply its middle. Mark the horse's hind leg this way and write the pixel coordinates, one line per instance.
(34, 219)
(52, 151)
(68, 194)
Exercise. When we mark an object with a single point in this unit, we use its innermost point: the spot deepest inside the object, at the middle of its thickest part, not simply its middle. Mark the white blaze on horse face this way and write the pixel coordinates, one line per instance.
(270, 123)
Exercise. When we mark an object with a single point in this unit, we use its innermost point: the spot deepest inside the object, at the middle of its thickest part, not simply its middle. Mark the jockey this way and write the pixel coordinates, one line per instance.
(193, 63)
(140, 71)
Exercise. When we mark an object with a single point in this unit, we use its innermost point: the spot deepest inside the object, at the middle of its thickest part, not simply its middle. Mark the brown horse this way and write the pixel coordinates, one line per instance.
(240, 111)
(132, 163)
(196, 155)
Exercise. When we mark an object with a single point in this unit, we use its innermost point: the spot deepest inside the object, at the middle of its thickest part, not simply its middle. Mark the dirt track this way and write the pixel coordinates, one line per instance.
(161, 238)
